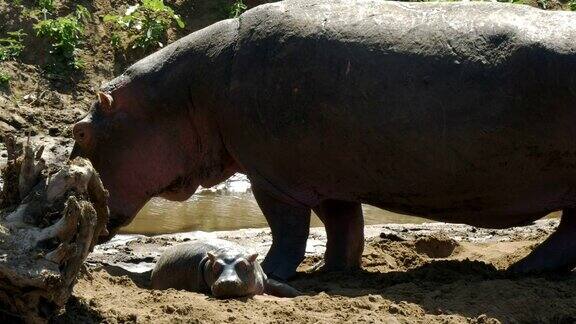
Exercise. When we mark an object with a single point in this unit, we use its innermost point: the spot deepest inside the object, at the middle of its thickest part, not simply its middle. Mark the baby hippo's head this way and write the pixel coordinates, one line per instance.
(233, 275)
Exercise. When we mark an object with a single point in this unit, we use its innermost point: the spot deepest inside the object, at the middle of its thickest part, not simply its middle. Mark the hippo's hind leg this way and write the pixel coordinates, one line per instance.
(344, 224)
(556, 253)
(290, 225)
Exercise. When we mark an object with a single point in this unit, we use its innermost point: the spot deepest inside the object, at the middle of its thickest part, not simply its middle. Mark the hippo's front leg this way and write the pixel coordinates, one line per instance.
(290, 225)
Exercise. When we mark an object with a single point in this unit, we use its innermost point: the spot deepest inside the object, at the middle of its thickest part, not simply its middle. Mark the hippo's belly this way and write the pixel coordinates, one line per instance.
(473, 124)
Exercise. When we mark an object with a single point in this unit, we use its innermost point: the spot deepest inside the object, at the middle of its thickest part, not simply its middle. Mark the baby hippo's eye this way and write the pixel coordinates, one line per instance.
(242, 266)
(217, 267)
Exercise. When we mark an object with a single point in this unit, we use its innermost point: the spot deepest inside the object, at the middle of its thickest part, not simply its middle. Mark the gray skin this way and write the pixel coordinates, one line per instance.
(458, 112)
(218, 267)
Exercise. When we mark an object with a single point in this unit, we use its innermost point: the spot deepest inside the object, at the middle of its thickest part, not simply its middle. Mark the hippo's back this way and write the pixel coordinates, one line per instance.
(446, 110)
(180, 266)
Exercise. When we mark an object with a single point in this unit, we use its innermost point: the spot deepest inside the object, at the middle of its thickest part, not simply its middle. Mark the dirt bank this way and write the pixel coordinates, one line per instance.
(414, 274)
(44, 98)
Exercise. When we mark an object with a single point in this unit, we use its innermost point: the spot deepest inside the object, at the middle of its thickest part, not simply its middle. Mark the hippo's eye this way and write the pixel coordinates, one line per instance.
(217, 267)
(241, 266)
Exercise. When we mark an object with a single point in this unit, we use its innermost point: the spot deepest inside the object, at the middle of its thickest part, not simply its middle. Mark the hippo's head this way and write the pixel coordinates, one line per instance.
(140, 153)
(232, 275)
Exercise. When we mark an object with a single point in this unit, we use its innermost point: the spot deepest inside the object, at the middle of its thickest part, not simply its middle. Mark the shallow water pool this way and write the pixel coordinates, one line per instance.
(228, 206)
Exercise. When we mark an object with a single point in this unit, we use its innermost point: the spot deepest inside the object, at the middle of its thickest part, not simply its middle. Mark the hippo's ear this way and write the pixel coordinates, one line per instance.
(211, 256)
(252, 257)
(106, 101)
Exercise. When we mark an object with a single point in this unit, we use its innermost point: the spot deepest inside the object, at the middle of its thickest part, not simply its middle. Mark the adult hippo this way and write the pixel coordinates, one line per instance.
(458, 112)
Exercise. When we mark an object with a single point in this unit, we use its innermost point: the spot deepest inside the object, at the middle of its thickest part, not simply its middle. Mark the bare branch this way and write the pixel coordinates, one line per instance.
(61, 253)
(32, 166)
(65, 228)
(99, 198)
(10, 142)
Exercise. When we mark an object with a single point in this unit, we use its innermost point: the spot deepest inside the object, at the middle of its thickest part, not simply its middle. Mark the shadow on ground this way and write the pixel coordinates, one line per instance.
(141, 280)
(468, 288)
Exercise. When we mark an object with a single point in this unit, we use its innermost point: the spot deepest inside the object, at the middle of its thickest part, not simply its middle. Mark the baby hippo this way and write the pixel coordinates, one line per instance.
(222, 268)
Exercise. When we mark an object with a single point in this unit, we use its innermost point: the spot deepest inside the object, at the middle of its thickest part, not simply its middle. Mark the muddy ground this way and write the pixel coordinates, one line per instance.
(429, 273)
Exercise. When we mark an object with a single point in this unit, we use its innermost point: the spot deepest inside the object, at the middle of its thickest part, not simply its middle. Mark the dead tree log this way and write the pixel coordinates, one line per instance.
(49, 222)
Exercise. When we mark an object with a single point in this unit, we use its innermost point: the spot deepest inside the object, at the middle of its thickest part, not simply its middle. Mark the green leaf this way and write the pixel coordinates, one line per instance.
(109, 18)
(147, 22)
(179, 21)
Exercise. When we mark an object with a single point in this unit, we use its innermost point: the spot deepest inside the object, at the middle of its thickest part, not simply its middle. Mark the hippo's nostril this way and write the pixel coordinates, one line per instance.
(81, 131)
(228, 284)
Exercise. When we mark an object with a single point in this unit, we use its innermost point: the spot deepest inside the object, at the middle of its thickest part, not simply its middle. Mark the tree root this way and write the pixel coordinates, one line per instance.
(47, 228)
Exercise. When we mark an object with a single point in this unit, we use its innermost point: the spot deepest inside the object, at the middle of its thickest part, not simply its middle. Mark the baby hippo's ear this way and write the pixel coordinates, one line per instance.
(252, 257)
(211, 256)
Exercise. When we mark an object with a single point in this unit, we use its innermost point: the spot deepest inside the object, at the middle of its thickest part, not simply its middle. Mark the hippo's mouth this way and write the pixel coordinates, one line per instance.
(178, 190)
(238, 294)
(236, 290)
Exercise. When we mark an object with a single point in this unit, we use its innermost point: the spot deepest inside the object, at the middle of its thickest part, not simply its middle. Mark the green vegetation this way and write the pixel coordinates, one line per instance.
(572, 5)
(12, 45)
(66, 34)
(145, 24)
(46, 5)
(4, 79)
(237, 8)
